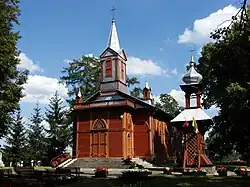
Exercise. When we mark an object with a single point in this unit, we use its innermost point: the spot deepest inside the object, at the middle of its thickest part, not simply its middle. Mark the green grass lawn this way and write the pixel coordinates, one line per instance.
(5, 168)
(170, 181)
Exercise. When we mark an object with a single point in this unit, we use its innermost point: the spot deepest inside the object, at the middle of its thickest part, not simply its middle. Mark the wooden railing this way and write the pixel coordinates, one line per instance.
(60, 159)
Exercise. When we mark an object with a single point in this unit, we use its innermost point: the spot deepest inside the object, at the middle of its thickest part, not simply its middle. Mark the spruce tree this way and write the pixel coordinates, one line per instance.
(60, 129)
(11, 79)
(36, 136)
(15, 150)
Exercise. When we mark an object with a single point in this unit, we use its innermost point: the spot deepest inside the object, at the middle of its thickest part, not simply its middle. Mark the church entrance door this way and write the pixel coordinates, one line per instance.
(99, 139)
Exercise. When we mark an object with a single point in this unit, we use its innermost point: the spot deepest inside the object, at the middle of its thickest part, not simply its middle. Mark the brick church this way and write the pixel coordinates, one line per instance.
(112, 123)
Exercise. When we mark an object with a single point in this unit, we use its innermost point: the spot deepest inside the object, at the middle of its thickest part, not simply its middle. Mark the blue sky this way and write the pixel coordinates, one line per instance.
(156, 35)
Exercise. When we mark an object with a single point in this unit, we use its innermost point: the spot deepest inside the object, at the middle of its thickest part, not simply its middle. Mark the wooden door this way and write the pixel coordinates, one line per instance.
(99, 144)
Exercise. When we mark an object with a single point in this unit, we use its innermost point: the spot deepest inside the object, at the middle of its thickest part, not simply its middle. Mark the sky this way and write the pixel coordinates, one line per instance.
(157, 36)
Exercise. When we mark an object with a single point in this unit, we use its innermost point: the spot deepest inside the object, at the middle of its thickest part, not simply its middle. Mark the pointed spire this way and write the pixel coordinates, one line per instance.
(147, 85)
(79, 94)
(113, 41)
(192, 59)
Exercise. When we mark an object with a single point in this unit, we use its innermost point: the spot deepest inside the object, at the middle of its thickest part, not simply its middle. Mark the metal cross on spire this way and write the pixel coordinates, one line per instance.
(113, 12)
(192, 50)
(192, 56)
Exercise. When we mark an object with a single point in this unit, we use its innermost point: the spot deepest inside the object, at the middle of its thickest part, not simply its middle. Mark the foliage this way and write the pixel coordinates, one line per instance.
(60, 129)
(241, 170)
(15, 149)
(169, 105)
(136, 92)
(101, 172)
(127, 161)
(36, 136)
(132, 81)
(226, 80)
(84, 73)
(134, 176)
(11, 79)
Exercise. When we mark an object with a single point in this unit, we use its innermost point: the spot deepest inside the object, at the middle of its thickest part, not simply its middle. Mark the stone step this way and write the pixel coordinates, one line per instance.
(98, 162)
(143, 163)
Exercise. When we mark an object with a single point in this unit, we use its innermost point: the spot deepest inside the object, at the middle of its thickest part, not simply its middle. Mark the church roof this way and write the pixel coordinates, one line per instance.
(189, 114)
(113, 40)
(119, 96)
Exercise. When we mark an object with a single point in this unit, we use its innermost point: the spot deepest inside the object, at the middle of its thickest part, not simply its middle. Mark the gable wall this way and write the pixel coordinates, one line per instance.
(85, 120)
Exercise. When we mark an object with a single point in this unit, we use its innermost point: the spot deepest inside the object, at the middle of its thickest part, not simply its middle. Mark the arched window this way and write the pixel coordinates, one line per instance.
(99, 124)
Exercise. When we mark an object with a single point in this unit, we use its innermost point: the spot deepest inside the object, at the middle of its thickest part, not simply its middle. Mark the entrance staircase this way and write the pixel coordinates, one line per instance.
(97, 163)
(104, 163)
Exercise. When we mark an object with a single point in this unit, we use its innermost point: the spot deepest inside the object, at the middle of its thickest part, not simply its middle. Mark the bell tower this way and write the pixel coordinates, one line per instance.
(192, 86)
(113, 64)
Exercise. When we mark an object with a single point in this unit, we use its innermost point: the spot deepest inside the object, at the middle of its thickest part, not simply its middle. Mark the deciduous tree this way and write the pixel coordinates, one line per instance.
(225, 67)
(84, 73)
(169, 105)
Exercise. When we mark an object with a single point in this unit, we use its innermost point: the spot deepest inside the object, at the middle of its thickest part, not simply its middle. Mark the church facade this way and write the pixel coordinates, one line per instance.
(112, 123)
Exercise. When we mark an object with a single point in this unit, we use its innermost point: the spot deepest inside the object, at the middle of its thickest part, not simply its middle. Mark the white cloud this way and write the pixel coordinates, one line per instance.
(137, 66)
(26, 63)
(179, 96)
(41, 88)
(174, 71)
(203, 27)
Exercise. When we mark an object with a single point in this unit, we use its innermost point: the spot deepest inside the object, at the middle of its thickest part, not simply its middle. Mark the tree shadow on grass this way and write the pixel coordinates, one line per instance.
(200, 181)
(161, 181)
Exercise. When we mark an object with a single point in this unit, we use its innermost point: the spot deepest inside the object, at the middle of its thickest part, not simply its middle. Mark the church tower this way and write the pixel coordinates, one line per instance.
(192, 86)
(193, 145)
(113, 64)
(147, 94)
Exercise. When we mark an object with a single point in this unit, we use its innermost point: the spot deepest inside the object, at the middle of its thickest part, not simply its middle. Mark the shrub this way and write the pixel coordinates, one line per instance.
(222, 171)
(127, 161)
(196, 172)
(101, 172)
(241, 170)
(139, 166)
(167, 171)
(135, 175)
(133, 165)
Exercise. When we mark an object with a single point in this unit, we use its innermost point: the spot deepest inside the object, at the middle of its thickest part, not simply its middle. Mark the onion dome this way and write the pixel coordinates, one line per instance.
(192, 76)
